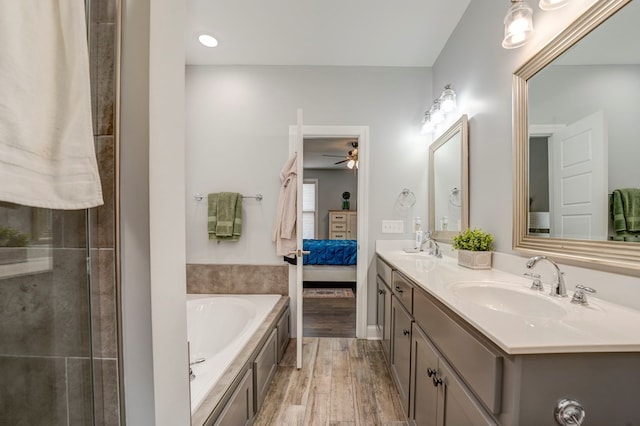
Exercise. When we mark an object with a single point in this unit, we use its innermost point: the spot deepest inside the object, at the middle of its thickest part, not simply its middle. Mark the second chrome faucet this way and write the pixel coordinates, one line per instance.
(558, 288)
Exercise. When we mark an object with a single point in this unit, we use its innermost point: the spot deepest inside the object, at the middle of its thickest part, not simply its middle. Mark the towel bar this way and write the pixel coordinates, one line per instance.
(200, 197)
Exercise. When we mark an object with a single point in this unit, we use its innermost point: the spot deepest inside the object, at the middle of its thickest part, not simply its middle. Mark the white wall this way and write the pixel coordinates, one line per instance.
(152, 239)
(331, 185)
(238, 121)
(480, 72)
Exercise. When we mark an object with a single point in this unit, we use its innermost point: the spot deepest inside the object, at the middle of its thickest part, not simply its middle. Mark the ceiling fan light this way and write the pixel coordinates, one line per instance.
(351, 163)
(552, 4)
(518, 25)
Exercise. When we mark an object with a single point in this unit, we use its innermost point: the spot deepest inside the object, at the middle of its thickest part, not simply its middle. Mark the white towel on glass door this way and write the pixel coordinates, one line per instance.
(47, 155)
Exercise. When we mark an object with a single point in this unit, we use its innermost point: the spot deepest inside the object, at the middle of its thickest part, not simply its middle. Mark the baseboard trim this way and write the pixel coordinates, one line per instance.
(373, 333)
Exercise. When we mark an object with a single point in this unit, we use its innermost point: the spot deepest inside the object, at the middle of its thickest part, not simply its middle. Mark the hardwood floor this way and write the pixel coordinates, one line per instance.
(343, 381)
(329, 317)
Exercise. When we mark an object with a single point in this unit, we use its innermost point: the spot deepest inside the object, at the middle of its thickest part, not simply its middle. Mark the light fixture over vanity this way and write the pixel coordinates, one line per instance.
(438, 111)
(518, 23)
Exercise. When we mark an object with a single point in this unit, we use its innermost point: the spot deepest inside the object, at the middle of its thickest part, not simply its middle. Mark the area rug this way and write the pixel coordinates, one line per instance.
(327, 292)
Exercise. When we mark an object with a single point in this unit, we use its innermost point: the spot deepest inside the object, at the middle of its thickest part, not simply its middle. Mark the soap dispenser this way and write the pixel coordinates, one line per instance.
(417, 224)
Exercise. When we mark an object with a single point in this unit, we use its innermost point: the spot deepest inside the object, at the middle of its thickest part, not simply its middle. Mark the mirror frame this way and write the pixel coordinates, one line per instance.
(462, 126)
(607, 255)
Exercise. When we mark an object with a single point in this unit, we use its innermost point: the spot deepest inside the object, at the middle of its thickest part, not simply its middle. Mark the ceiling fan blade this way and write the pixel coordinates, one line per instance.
(343, 161)
(329, 155)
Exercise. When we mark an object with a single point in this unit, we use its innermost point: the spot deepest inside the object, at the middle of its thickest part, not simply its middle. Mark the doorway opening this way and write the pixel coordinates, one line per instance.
(334, 294)
(329, 226)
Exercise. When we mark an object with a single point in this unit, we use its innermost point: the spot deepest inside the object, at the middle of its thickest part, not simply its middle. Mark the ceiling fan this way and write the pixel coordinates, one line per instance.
(351, 158)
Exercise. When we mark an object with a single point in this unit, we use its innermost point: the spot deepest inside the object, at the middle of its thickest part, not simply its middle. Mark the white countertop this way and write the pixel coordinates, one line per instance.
(600, 326)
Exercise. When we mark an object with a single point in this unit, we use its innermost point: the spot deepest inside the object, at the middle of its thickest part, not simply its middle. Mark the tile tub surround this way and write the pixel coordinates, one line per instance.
(219, 391)
(237, 279)
(600, 327)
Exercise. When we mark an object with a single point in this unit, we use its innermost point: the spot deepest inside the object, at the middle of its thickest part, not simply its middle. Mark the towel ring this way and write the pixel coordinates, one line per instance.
(406, 198)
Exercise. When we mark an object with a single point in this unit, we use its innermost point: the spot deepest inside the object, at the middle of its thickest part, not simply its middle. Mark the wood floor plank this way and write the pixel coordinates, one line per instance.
(385, 392)
(365, 400)
(344, 381)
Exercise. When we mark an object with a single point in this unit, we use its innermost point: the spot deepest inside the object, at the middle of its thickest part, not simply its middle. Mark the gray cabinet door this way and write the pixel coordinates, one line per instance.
(424, 369)
(265, 367)
(239, 409)
(401, 350)
(284, 332)
(456, 405)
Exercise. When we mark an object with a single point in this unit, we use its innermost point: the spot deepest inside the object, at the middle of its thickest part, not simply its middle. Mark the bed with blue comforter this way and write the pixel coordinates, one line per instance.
(330, 260)
(330, 252)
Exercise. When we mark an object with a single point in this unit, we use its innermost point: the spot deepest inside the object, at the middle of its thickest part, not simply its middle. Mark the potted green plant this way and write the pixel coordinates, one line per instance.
(345, 200)
(13, 245)
(475, 247)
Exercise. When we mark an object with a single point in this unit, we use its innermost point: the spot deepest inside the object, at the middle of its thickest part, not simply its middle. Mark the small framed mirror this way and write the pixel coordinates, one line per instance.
(449, 182)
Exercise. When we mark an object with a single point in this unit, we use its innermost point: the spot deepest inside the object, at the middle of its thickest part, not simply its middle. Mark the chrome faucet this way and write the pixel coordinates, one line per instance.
(558, 288)
(434, 248)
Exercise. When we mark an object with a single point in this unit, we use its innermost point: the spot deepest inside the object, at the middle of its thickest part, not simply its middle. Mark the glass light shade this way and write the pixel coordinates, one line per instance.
(207, 40)
(448, 99)
(437, 116)
(552, 4)
(518, 25)
(427, 125)
(351, 163)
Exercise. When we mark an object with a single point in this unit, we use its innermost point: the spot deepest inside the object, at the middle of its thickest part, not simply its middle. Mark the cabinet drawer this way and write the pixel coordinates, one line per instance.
(340, 226)
(338, 235)
(338, 217)
(403, 290)
(384, 270)
(479, 364)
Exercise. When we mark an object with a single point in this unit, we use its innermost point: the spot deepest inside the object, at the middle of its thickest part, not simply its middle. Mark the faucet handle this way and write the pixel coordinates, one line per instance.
(580, 296)
(536, 284)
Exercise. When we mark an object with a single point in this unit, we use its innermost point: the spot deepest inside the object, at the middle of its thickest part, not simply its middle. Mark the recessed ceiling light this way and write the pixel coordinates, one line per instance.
(207, 40)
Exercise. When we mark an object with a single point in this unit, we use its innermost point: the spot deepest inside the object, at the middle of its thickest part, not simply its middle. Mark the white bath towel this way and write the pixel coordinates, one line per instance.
(47, 154)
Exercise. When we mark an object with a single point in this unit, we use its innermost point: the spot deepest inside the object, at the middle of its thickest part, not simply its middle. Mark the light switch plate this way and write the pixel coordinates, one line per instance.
(392, 227)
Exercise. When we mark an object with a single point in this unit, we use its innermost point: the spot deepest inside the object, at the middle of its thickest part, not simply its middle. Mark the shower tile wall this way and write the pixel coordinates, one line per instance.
(45, 341)
(102, 219)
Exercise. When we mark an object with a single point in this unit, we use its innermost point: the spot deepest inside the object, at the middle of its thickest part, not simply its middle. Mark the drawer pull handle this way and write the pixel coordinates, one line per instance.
(405, 332)
(436, 381)
(431, 372)
(381, 291)
(399, 290)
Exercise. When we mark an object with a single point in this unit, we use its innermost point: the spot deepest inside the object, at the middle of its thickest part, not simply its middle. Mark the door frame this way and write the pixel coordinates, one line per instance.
(362, 133)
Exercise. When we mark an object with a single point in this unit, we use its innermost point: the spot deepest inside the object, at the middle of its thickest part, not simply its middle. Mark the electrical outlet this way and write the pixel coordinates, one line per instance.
(392, 227)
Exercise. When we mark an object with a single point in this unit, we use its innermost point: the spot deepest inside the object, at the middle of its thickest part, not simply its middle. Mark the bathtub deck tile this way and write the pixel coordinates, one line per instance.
(342, 382)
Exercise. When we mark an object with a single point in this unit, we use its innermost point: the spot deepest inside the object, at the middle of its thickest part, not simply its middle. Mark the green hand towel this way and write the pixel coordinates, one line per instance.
(224, 216)
(625, 209)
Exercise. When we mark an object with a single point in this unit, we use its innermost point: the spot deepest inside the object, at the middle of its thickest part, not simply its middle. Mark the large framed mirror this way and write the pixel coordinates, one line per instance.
(576, 149)
(449, 182)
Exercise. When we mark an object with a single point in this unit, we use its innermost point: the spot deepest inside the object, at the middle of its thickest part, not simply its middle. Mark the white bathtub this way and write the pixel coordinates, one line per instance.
(218, 327)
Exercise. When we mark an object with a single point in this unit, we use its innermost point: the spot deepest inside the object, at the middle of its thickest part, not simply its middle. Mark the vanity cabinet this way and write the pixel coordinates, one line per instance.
(239, 410)
(438, 395)
(343, 225)
(383, 305)
(478, 383)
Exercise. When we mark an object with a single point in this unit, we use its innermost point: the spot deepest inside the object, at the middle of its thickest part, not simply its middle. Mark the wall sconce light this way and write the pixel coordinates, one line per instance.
(552, 4)
(518, 24)
(427, 124)
(448, 99)
(442, 106)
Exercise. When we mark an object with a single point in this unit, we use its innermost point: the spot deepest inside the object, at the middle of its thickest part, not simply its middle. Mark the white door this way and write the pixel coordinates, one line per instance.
(300, 253)
(578, 179)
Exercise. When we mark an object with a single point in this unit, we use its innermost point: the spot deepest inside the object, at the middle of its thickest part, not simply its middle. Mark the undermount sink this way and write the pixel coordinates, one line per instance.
(509, 298)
